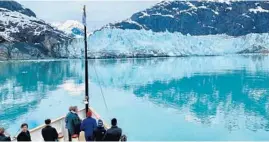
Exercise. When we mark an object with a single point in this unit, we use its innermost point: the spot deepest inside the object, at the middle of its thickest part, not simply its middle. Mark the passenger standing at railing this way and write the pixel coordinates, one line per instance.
(114, 133)
(3, 136)
(48, 132)
(24, 134)
(88, 125)
(77, 121)
(66, 124)
(99, 132)
(70, 109)
(73, 122)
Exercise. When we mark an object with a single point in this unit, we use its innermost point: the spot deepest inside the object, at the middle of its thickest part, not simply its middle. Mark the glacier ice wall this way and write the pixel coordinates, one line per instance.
(141, 43)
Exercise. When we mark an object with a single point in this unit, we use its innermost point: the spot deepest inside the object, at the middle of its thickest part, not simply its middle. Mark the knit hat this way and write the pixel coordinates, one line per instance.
(100, 123)
(89, 114)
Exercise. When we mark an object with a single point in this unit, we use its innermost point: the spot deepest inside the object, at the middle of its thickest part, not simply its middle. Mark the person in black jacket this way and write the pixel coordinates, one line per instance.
(114, 133)
(24, 134)
(99, 132)
(49, 133)
(4, 137)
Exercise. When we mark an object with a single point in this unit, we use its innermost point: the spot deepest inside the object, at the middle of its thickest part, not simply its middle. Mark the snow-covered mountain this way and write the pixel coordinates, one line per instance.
(24, 36)
(15, 6)
(186, 28)
(202, 18)
(170, 28)
(70, 27)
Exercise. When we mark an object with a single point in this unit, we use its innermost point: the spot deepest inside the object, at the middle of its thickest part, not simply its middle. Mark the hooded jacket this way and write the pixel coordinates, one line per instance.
(99, 133)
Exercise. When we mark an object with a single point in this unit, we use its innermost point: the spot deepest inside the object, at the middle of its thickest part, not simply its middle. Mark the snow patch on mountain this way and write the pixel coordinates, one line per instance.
(258, 9)
(15, 6)
(70, 27)
(14, 22)
(114, 43)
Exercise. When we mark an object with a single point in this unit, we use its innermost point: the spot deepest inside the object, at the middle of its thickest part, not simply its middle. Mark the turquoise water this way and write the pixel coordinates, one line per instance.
(192, 98)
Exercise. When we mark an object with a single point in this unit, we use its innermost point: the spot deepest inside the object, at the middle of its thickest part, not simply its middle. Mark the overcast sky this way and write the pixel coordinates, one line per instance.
(99, 13)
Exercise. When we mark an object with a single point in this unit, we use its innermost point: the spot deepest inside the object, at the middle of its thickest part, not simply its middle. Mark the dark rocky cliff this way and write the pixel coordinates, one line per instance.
(24, 36)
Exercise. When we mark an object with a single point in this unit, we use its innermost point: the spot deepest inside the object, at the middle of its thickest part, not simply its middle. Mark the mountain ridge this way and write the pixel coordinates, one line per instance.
(234, 18)
(15, 6)
(70, 27)
(185, 28)
(24, 36)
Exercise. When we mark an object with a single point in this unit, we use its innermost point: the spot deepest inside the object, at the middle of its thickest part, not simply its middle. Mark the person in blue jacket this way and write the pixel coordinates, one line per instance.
(88, 125)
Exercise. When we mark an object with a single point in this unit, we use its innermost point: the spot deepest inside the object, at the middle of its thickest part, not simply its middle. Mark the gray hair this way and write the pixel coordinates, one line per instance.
(2, 130)
(71, 108)
(74, 108)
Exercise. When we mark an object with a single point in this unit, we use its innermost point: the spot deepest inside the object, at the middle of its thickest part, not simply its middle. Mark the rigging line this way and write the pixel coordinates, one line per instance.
(101, 89)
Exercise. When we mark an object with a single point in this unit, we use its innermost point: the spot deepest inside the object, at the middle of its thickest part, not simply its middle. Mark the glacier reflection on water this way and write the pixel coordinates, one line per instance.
(211, 98)
(25, 85)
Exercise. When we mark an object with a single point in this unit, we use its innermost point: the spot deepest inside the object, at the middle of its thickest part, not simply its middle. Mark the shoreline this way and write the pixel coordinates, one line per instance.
(139, 57)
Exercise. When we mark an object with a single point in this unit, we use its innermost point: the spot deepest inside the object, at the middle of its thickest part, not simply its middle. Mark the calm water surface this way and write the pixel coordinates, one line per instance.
(194, 98)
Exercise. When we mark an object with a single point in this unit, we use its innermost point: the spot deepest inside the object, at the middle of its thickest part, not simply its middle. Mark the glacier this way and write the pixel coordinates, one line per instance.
(117, 43)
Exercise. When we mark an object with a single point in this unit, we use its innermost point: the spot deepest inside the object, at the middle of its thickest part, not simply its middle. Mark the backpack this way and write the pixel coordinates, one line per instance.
(123, 138)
